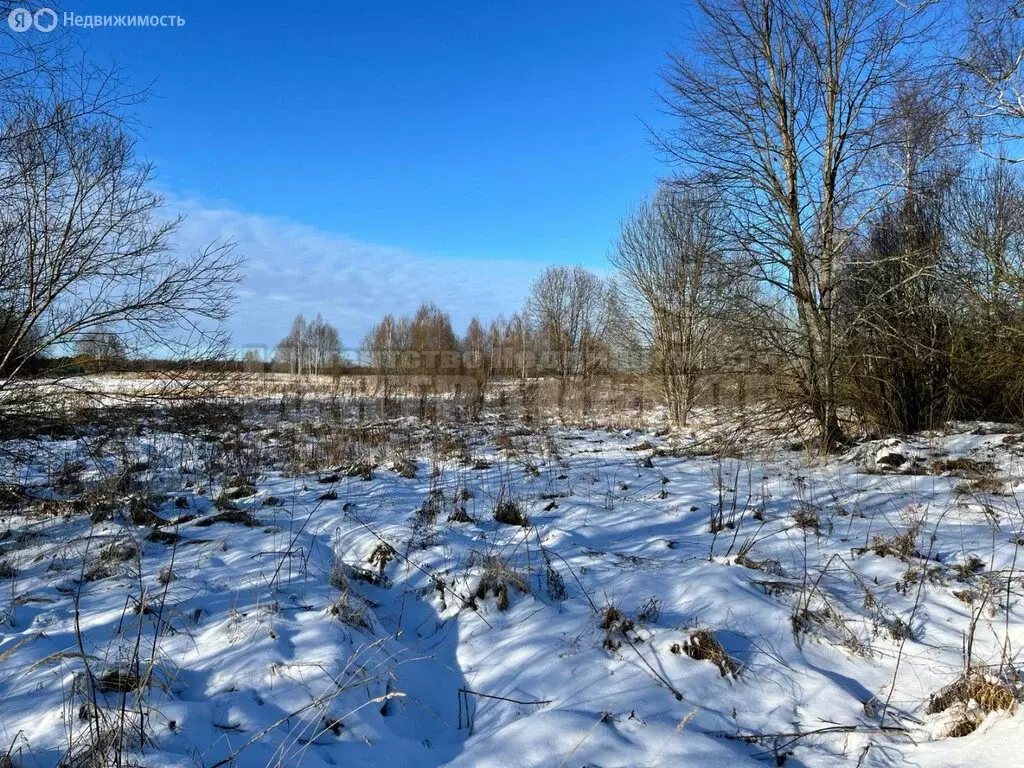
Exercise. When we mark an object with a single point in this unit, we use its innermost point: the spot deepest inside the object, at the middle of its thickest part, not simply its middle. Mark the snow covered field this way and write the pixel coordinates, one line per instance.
(296, 593)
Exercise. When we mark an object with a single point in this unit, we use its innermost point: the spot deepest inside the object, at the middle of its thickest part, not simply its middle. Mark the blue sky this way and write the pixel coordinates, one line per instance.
(368, 154)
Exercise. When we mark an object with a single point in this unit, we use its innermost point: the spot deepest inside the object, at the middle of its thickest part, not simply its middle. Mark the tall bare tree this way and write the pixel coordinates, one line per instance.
(475, 347)
(101, 345)
(518, 347)
(781, 105)
(897, 287)
(495, 347)
(309, 348)
(252, 361)
(323, 346)
(985, 222)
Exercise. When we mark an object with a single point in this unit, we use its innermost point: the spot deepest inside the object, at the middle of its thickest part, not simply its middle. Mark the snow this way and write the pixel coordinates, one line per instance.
(248, 655)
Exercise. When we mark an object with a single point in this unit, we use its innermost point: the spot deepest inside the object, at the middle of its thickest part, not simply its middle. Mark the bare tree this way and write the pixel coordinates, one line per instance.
(781, 105)
(899, 308)
(84, 250)
(897, 288)
(985, 222)
(309, 348)
(252, 361)
(475, 352)
(517, 346)
(985, 219)
(432, 342)
(495, 346)
(993, 58)
(291, 350)
(384, 347)
(675, 286)
(101, 345)
(568, 314)
(322, 346)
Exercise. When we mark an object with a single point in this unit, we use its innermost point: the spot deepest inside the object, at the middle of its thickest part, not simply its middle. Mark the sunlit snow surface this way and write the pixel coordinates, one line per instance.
(248, 658)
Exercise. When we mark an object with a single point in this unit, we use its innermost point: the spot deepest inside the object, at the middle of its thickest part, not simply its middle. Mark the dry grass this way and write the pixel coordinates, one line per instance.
(121, 680)
(234, 516)
(363, 469)
(986, 484)
(348, 612)
(404, 467)
(460, 515)
(381, 555)
(963, 467)
(497, 579)
(110, 558)
(615, 624)
(702, 645)
(644, 446)
(454, 447)
(971, 566)
(649, 611)
(965, 596)
(900, 545)
(432, 507)
(510, 512)
(241, 491)
(979, 476)
(971, 697)
(805, 516)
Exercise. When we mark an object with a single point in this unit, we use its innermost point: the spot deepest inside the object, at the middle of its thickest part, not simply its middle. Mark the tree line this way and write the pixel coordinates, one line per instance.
(840, 217)
(843, 217)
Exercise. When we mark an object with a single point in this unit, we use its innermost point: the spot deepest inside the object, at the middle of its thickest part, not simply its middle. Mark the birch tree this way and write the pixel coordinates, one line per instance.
(781, 105)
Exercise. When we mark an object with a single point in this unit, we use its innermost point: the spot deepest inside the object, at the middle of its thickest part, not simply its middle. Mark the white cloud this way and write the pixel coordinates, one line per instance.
(292, 268)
